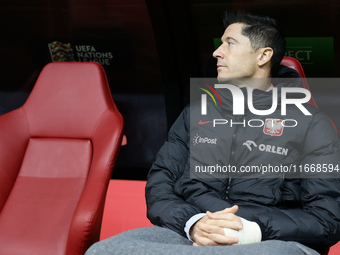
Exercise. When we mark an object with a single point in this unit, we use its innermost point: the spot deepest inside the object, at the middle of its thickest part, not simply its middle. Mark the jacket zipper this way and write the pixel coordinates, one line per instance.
(232, 159)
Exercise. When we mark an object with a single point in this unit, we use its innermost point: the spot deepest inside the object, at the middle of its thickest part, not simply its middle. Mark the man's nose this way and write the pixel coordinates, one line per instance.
(218, 53)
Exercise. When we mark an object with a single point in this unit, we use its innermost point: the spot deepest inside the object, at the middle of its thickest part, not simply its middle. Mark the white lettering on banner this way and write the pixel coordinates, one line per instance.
(85, 48)
(300, 55)
(87, 53)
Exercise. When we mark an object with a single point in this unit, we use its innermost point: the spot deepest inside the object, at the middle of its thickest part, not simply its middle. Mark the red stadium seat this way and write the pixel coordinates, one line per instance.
(57, 153)
(295, 64)
(125, 207)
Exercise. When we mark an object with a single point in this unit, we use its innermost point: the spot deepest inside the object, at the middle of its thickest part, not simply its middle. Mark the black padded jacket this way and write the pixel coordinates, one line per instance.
(305, 210)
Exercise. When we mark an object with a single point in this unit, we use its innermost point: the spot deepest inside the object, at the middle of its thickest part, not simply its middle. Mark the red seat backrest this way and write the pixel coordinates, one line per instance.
(56, 155)
(295, 64)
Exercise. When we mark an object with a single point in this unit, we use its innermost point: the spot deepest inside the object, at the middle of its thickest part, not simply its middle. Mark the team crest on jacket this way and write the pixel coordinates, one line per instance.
(273, 127)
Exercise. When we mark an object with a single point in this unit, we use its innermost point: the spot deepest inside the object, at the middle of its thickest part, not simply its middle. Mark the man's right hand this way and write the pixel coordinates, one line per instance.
(209, 230)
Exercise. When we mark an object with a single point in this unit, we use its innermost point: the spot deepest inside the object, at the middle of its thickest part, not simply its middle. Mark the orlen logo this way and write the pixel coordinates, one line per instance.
(266, 148)
(198, 139)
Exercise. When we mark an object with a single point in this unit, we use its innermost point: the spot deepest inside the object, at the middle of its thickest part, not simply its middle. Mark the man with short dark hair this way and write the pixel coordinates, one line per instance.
(281, 214)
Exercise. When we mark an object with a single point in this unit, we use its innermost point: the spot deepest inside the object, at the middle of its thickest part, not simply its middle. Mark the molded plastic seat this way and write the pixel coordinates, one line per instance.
(57, 153)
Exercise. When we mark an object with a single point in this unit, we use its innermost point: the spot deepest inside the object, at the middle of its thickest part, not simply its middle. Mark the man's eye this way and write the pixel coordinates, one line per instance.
(230, 43)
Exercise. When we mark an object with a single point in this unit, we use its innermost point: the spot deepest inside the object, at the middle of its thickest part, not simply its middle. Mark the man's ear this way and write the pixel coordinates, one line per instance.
(265, 55)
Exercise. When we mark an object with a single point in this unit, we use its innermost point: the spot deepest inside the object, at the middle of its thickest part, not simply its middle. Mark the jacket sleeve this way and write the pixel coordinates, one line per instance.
(317, 223)
(164, 207)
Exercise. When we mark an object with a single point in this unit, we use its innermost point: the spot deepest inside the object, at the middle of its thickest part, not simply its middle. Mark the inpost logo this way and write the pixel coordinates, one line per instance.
(198, 139)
